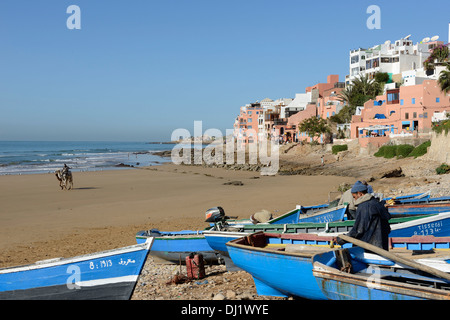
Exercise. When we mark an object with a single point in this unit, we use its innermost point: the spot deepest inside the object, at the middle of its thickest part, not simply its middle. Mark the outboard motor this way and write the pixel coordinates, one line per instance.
(215, 214)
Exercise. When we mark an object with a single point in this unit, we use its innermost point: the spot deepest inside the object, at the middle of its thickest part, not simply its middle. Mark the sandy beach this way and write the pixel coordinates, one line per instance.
(105, 209)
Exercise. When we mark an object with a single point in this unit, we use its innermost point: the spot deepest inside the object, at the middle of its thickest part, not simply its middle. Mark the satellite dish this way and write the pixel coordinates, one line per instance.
(407, 37)
(434, 38)
(387, 42)
(425, 40)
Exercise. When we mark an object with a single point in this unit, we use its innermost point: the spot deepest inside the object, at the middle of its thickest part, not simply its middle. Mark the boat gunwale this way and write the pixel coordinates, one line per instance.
(329, 273)
(234, 243)
(423, 220)
(42, 264)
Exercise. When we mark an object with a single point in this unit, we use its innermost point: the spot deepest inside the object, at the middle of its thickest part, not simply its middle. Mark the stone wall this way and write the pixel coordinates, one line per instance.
(440, 148)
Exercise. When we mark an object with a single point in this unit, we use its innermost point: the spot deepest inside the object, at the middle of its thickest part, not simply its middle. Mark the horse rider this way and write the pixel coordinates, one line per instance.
(65, 170)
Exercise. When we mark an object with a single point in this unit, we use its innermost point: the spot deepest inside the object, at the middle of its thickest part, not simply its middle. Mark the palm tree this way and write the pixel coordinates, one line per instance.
(444, 79)
(366, 86)
(345, 96)
(356, 94)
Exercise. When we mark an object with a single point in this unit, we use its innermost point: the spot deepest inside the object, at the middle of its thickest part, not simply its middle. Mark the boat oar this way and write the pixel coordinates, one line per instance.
(396, 258)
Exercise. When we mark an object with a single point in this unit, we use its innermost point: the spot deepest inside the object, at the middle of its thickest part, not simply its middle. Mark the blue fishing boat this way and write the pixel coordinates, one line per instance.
(218, 236)
(174, 246)
(437, 225)
(418, 200)
(280, 264)
(298, 265)
(420, 196)
(412, 208)
(420, 243)
(402, 226)
(409, 198)
(366, 272)
(104, 275)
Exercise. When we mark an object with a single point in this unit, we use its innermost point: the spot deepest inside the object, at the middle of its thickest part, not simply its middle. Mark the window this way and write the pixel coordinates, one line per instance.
(249, 120)
(438, 100)
(406, 115)
(393, 96)
(401, 102)
(413, 101)
(414, 115)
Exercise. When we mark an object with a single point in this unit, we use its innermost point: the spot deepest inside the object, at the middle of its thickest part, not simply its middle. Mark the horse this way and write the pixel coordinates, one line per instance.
(65, 179)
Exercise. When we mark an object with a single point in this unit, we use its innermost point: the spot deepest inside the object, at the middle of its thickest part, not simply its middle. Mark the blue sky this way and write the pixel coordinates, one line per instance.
(139, 69)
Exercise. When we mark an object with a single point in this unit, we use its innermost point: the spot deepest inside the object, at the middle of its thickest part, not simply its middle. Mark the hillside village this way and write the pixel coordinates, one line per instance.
(392, 93)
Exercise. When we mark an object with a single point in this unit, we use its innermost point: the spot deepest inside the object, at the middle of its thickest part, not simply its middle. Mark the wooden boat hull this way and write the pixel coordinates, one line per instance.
(278, 273)
(174, 247)
(374, 277)
(343, 286)
(419, 208)
(437, 225)
(107, 275)
(217, 239)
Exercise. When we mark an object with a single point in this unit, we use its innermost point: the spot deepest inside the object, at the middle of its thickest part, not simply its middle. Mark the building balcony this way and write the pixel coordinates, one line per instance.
(278, 122)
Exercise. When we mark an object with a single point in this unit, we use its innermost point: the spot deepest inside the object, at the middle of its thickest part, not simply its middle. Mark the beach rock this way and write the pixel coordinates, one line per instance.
(387, 173)
(393, 173)
(219, 296)
(234, 183)
(123, 165)
(230, 294)
(167, 153)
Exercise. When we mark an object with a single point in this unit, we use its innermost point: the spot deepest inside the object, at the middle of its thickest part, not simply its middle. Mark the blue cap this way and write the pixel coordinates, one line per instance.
(359, 187)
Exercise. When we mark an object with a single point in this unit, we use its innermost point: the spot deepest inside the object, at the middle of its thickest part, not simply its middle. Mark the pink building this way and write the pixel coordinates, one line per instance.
(328, 104)
(246, 124)
(294, 120)
(406, 109)
(256, 120)
(332, 79)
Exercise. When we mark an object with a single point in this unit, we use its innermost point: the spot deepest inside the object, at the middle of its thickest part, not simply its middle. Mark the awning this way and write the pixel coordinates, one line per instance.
(380, 127)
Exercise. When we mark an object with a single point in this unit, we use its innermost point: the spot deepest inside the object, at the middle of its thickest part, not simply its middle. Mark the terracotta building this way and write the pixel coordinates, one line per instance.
(405, 110)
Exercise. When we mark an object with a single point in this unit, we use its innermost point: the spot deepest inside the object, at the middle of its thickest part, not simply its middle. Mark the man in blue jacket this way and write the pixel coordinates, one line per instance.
(372, 219)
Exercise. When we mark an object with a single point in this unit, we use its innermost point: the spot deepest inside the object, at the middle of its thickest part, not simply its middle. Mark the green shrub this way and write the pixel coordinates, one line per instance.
(443, 169)
(338, 148)
(420, 150)
(380, 152)
(404, 150)
(390, 152)
(386, 152)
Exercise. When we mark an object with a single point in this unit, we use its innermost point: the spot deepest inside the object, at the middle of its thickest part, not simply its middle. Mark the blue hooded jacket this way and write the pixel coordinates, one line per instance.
(372, 222)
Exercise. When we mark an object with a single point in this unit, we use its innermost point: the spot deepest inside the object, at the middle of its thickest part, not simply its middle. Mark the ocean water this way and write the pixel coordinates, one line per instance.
(26, 157)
